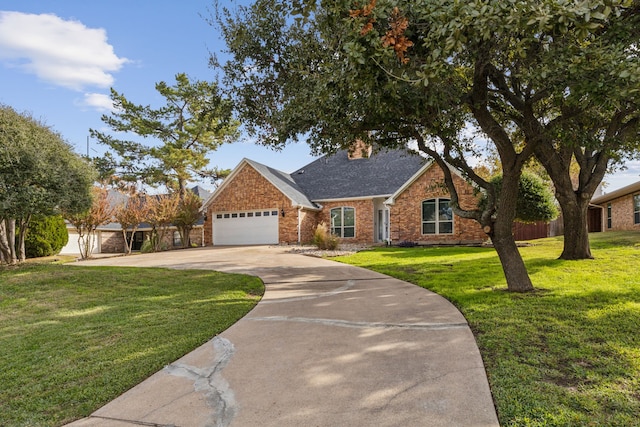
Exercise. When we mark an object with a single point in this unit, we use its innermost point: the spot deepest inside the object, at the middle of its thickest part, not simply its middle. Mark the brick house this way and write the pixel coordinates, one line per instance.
(364, 197)
(109, 237)
(618, 210)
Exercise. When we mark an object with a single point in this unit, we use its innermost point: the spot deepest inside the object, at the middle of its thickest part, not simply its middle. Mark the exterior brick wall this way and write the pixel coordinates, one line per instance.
(406, 212)
(364, 218)
(112, 242)
(622, 217)
(249, 190)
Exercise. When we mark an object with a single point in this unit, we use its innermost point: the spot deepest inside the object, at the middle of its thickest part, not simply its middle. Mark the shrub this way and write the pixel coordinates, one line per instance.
(46, 236)
(323, 239)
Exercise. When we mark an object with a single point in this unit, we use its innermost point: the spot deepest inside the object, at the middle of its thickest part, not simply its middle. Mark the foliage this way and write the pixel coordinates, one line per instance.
(86, 223)
(39, 175)
(46, 236)
(531, 76)
(74, 338)
(194, 121)
(129, 214)
(187, 215)
(566, 355)
(535, 199)
(323, 239)
(161, 212)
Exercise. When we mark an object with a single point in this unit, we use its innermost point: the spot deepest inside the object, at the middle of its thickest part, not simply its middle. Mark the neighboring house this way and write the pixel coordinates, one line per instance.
(109, 238)
(393, 195)
(616, 211)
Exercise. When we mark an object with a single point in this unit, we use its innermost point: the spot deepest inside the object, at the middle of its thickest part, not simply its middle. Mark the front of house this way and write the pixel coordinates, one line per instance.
(365, 198)
(618, 210)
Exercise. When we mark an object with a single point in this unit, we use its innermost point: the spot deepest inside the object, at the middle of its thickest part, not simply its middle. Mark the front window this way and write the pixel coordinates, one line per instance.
(343, 222)
(437, 216)
(608, 215)
(636, 208)
(177, 240)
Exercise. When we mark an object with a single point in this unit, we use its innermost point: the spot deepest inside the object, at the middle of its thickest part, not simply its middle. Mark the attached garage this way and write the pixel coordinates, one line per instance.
(246, 227)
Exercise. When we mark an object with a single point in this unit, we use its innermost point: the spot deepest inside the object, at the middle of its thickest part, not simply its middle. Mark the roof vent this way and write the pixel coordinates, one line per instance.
(301, 171)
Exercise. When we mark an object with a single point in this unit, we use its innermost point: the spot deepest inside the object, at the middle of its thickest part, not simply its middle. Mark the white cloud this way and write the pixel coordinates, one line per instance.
(98, 101)
(65, 53)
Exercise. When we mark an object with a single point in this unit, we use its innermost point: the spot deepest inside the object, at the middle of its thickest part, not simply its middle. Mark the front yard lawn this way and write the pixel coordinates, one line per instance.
(74, 338)
(565, 355)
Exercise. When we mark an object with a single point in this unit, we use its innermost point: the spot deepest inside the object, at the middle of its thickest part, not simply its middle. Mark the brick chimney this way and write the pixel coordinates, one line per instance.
(360, 150)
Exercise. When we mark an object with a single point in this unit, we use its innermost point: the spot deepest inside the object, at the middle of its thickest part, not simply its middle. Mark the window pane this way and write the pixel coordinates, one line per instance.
(429, 210)
(349, 217)
(446, 227)
(349, 232)
(636, 202)
(445, 211)
(428, 228)
(336, 217)
(336, 232)
(636, 218)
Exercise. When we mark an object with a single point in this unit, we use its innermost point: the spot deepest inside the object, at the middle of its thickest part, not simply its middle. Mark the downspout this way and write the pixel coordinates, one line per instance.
(299, 225)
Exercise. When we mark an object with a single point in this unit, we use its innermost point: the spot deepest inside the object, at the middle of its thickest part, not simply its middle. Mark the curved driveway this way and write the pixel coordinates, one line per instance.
(328, 345)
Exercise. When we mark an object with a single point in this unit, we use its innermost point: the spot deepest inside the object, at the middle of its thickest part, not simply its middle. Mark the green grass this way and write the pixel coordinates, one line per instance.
(73, 338)
(565, 355)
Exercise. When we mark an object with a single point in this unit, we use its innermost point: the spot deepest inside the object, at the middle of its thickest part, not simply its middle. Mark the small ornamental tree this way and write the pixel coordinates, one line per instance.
(187, 215)
(87, 222)
(129, 214)
(161, 214)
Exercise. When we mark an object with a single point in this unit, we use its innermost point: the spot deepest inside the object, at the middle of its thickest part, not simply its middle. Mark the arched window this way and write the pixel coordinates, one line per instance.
(437, 216)
(343, 222)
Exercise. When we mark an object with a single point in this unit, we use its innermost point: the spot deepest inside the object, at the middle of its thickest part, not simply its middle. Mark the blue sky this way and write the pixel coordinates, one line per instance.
(58, 60)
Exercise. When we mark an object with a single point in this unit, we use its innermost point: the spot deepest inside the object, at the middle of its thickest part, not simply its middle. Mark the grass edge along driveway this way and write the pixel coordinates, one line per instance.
(565, 355)
(73, 338)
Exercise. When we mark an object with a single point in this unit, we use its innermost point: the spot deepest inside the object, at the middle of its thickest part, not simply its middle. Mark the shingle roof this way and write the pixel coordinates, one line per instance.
(338, 177)
(284, 183)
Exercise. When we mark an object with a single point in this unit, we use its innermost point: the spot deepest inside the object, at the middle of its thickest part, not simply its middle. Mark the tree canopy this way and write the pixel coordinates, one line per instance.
(522, 75)
(39, 175)
(195, 120)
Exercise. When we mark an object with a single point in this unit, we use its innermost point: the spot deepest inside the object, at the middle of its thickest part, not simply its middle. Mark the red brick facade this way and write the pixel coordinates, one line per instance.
(250, 190)
(622, 214)
(406, 212)
(364, 218)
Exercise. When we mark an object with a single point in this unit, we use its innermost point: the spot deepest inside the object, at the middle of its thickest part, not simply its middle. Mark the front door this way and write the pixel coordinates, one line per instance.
(383, 225)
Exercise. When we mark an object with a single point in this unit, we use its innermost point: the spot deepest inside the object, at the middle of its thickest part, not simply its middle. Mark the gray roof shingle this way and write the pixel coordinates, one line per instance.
(284, 183)
(338, 177)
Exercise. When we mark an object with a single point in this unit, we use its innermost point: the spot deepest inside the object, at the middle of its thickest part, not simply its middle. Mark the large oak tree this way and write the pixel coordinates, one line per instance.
(518, 72)
(39, 175)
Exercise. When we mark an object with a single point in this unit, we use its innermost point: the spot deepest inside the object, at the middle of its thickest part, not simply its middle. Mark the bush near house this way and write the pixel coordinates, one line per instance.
(46, 236)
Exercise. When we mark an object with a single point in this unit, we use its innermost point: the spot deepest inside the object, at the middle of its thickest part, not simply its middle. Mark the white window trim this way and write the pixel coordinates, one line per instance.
(332, 227)
(437, 221)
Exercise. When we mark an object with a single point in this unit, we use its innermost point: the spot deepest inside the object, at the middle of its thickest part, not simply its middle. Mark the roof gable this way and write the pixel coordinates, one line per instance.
(281, 180)
(429, 164)
(338, 177)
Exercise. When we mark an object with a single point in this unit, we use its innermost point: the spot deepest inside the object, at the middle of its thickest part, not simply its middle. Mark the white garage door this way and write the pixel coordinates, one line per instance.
(246, 228)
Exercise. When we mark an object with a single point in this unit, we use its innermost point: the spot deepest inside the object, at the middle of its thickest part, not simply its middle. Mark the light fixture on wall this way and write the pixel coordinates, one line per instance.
(282, 212)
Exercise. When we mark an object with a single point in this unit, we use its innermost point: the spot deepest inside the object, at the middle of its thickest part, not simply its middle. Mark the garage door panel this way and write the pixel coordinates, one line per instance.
(245, 228)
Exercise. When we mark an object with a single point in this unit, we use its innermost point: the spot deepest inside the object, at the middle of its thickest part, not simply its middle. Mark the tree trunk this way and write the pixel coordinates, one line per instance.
(576, 227)
(5, 249)
(22, 234)
(504, 242)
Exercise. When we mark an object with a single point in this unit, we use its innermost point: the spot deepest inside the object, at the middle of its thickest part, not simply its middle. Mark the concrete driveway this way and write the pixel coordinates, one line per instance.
(328, 345)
